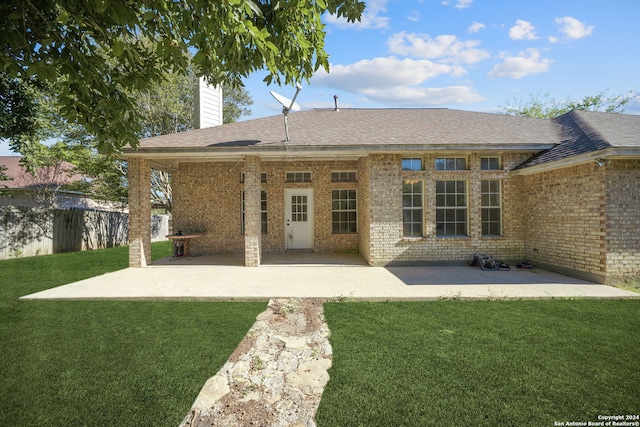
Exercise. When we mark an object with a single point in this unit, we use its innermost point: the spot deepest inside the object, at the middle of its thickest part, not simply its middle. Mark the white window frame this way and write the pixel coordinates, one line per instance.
(344, 176)
(454, 211)
(410, 163)
(488, 160)
(263, 212)
(298, 176)
(491, 201)
(344, 206)
(412, 202)
(451, 164)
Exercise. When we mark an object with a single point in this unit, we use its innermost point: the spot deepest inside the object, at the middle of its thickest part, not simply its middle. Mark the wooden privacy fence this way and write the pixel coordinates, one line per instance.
(28, 231)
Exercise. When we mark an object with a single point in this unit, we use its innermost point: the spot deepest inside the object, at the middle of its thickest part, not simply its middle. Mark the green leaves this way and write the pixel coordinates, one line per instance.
(118, 48)
(96, 48)
(543, 106)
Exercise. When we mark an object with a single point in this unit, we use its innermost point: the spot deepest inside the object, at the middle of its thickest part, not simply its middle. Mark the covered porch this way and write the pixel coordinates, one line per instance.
(250, 207)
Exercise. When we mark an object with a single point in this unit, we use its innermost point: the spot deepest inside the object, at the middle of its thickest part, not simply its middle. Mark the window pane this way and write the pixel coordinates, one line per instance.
(344, 214)
(451, 163)
(412, 164)
(491, 211)
(490, 163)
(412, 208)
(347, 176)
(451, 212)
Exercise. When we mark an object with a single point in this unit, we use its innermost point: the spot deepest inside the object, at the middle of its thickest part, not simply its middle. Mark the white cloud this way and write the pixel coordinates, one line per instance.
(445, 47)
(414, 16)
(476, 27)
(393, 81)
(423, 96)
(382, 73)
(372, 17)
(516, 67)
(463, 4)
(572, 28)
(523, 30)
(553, 39)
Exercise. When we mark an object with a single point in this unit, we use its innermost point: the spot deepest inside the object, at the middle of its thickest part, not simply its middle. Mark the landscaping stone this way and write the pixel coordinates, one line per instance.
(277, 374)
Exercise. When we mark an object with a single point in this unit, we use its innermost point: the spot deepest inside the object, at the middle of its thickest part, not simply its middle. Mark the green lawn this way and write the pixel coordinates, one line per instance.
(126, 363)
(105, 363)
(481, 363)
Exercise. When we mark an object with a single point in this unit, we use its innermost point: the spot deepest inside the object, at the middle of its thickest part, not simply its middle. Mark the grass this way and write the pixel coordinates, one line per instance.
(97, 363)
(629, 284)
(481, 363)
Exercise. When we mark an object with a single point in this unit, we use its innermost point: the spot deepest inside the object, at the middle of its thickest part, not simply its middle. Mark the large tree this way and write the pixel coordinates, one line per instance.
(4, 177)
(100, 53)
(168, 108)
(545, 106)
(235, 103)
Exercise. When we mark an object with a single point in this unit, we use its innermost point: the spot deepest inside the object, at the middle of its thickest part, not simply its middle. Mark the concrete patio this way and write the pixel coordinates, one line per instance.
(308, 275)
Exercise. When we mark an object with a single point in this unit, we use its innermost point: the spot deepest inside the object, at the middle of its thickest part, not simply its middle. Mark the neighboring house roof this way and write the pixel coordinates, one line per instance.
(19, 179)
(365, 128)
(584, 132)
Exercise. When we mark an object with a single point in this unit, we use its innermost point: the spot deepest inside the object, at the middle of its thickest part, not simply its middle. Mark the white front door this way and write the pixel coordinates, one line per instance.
(298, 227)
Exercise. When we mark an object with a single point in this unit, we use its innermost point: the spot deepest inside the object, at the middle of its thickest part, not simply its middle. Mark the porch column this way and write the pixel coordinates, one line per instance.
(252, 228)
(139, 213)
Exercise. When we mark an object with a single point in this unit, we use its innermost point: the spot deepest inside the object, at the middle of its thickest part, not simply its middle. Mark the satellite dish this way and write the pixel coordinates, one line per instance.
(287, 105)
(286, 102)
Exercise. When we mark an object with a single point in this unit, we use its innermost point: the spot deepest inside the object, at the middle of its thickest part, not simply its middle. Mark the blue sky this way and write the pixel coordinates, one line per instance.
(474, 55)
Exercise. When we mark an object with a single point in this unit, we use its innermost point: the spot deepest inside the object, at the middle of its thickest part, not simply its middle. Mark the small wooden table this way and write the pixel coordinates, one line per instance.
(183, 238)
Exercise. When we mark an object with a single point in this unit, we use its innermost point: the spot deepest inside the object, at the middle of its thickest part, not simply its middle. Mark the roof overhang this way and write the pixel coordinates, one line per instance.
(169, 158)
(596, 157)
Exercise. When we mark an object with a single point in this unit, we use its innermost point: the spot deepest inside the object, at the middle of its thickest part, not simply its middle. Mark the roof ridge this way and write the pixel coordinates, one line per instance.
(583, 126)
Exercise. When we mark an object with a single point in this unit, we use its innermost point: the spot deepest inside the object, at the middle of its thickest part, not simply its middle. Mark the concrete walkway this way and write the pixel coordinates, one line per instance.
(323, 276)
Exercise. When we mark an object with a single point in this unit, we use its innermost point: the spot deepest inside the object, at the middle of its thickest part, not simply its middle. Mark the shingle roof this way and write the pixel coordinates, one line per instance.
(366, 128)
(588, 131)
(19, 179)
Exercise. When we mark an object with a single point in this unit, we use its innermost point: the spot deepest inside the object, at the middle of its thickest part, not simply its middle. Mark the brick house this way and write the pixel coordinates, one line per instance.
(405, 186)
